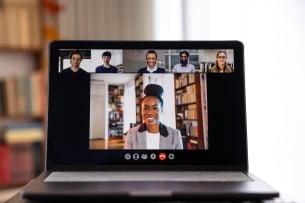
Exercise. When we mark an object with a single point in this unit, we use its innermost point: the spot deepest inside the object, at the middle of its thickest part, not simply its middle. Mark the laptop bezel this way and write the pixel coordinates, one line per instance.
(216, 161)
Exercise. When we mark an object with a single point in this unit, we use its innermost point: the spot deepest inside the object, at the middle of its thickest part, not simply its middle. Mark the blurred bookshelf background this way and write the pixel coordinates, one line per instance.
(26, 27)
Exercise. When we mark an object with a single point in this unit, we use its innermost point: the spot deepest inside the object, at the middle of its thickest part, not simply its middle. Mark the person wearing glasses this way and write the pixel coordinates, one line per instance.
(184, 66)
(221, 65)
(153, 134)
(151, 61)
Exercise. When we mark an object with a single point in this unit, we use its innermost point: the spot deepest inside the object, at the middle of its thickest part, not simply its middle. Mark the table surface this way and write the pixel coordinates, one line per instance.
(6, 193)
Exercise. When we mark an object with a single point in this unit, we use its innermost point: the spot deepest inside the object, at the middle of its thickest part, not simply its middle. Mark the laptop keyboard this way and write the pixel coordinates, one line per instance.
(187, 176)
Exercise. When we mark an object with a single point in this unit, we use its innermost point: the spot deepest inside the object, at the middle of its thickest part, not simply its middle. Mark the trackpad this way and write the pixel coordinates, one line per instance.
(150, 193)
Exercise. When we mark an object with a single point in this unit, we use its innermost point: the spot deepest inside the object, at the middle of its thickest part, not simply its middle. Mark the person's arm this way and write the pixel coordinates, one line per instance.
(179, 144)
(193, 69)
(162, 70)
(96, 69)
(128, 141)
(175, 68)
(114, 69)
(141, 70)
(176, 139)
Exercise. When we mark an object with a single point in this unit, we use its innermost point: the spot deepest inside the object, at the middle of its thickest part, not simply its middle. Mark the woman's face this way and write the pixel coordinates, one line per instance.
(221, 59)
(151, 110)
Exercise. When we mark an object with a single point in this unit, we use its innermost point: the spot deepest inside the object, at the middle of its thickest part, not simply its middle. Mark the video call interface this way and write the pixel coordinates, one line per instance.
(148, 99)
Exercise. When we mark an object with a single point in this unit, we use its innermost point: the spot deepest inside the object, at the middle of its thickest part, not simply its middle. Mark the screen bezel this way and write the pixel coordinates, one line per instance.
(225, 152)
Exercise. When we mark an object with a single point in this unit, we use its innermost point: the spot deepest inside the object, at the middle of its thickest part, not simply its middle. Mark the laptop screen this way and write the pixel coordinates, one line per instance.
(146, 103)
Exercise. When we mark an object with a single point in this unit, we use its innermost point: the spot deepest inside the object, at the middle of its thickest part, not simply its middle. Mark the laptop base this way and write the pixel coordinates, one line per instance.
(148, 190)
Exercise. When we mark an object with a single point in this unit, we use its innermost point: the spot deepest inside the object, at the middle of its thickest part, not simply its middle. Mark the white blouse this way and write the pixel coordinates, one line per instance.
(152, 140)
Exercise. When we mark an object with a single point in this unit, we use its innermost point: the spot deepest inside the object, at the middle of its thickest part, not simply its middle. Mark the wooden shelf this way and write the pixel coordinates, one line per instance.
(189, 111)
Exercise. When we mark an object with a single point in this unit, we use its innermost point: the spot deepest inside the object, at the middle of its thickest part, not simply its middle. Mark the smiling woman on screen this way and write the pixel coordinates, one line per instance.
(152, 134)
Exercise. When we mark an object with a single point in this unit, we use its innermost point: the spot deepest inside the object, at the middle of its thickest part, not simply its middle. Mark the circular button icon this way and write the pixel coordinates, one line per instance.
(162, 156)
(171, 156)
(136, 156)
(153, 156)
(127, 156)
(144, 156)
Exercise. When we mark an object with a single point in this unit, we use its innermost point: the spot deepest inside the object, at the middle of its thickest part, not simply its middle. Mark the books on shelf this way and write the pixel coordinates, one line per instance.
(186, 96)
(190, 101)
(184, 80)
(2, 27)
(22, 22)
(23, 132)
(191, 112)
(23, 95)
(20, 153)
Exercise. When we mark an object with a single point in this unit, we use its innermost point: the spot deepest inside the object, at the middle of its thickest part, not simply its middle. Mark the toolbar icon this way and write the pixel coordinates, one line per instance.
(153, 156)
(136, 156)
(127, 156)
(162, 156)
(171, 156)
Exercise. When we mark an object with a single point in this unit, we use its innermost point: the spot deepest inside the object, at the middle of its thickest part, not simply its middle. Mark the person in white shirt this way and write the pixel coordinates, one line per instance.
(184, 66)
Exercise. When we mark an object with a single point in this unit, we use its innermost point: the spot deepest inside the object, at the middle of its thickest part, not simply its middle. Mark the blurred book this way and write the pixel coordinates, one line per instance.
(21, 23)
(23, 95)
(21, 153)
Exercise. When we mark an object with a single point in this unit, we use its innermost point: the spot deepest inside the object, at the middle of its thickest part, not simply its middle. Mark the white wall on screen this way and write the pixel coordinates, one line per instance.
(129, 107)
(98, 109)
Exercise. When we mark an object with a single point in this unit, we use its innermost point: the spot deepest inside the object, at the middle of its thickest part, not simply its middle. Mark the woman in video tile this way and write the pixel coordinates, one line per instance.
(221, 65)
(153, 134)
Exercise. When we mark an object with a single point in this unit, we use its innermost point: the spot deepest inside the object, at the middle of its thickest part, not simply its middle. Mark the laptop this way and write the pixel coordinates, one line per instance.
(111, 136)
